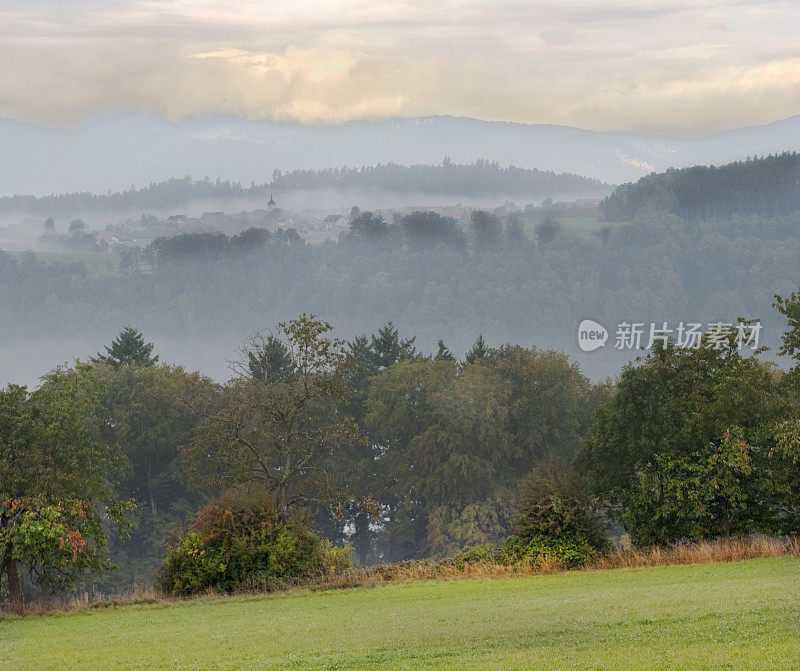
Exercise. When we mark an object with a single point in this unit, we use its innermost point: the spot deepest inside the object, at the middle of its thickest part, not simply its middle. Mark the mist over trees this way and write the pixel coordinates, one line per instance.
(430, 277)
(767, 187)
(173, 192)
(479, 179)
(515, 283)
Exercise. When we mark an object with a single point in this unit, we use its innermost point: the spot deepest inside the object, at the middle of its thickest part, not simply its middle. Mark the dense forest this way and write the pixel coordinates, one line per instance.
(174, 192)
(479, 179)
(319, 453)
(768, 187)
(424, 273)
(429, 436)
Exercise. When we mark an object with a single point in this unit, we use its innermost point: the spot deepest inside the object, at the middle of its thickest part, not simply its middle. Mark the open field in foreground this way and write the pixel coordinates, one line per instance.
(743, 615)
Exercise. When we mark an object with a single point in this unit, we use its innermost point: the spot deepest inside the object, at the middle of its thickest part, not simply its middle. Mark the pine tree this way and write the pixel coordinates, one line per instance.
(444, 353)
(128, 349)
(389, 348)
(478, 350)
(269, 360)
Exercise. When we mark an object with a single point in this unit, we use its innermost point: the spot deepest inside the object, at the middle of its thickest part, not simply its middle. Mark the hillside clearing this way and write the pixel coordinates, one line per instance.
(100, 262)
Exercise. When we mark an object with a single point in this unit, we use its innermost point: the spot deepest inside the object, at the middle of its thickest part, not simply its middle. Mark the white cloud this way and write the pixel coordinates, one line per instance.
(684, 66)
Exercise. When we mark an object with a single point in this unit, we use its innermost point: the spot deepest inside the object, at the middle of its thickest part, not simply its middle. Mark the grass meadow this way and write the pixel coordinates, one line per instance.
(101, 262)
(739, 615)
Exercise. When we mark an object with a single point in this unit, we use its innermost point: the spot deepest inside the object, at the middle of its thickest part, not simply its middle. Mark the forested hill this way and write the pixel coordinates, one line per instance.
(482, 178)
(479, 179)
(175, 192)
(199, 296)
(768, 186)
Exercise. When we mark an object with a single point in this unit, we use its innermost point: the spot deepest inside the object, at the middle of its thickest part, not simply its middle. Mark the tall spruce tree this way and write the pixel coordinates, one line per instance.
(128, 349)
(477, 351)
(268, 359)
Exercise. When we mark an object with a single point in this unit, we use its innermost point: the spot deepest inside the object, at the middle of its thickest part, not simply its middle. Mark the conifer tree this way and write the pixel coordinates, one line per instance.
(478, 350)
(128, 349)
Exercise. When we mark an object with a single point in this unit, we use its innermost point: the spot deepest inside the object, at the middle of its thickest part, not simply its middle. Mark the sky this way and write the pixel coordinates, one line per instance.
(681, 67)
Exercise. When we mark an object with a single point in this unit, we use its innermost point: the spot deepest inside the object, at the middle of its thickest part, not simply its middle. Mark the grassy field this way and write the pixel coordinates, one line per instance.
(100, 262)
(743, 615)
(583, 226)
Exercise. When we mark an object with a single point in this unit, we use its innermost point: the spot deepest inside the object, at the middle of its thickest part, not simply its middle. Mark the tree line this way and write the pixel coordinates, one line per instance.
(767, 186)
(171, 193)
(482, 178)
(317, 445)
(424, 273)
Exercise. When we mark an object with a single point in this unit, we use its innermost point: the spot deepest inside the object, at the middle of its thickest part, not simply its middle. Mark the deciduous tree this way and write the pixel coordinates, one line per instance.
(279, 433)
(686, 448)
(56, 494)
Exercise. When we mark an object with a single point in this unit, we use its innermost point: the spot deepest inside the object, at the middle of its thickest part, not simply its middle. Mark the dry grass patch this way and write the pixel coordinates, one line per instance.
(702, 552)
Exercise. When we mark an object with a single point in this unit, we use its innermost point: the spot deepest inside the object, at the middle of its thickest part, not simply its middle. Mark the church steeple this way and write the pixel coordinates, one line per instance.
(271, 203)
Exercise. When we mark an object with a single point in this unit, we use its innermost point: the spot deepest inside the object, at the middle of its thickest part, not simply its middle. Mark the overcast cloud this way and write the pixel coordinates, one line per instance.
(667, 66)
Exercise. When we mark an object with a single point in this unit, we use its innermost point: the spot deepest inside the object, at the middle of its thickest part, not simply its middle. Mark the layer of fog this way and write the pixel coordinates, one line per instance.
(212, 353)
(115, 151)
(20, 231)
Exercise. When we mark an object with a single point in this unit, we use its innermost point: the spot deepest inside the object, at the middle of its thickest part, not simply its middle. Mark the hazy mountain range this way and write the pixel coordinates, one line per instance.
(117, 151)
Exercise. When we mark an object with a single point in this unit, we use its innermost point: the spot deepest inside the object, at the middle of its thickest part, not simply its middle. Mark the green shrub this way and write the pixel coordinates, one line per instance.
(566, 552)
(480, 523)
(553, 520)
(237, 544)
(474, 554)
(335, 559)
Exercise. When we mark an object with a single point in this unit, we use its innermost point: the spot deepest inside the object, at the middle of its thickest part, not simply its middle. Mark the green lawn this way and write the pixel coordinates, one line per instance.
(715, 616)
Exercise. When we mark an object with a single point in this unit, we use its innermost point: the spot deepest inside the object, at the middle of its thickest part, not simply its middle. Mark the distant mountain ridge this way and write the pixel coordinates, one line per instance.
(117, 150)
